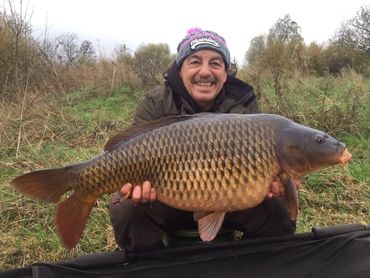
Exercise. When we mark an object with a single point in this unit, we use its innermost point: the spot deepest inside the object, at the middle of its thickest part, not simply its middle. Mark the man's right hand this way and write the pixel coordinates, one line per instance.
(139, 193)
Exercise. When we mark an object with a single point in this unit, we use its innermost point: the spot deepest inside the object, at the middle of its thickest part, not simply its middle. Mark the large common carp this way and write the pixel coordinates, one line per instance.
(205, 163)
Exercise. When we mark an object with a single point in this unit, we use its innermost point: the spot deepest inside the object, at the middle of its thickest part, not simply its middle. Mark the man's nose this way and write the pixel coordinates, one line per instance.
(205, 69)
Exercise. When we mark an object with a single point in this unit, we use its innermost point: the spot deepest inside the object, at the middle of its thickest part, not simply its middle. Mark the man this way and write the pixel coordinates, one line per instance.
(196, 82)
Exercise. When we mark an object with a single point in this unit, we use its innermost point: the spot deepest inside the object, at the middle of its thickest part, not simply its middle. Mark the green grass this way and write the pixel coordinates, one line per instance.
(85, 120)
(116, 106)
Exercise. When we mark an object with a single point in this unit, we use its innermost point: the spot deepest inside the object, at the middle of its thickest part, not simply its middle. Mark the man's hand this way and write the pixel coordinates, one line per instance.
(139, 193)
(277, 188)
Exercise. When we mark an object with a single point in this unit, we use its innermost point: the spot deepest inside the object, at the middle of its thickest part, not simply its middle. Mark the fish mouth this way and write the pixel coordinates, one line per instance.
(345, 157)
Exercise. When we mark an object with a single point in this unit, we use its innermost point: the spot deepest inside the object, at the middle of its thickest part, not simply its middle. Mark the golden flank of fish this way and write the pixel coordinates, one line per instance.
(207, 163)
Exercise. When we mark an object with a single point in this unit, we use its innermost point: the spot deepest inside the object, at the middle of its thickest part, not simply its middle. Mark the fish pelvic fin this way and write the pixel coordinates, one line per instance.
(71, 217)
(290, 195)
(209, 225)
(47, 185)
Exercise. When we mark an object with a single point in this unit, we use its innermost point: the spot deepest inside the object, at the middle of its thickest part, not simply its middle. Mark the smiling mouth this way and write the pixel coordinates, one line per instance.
(204, 84)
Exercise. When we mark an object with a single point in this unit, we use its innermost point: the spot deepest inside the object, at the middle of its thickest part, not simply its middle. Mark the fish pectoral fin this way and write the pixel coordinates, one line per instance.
(290, 195)
(71, 217)
(209, 225)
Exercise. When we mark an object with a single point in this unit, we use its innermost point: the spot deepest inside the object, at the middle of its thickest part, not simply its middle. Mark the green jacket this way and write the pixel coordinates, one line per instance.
(171, 98)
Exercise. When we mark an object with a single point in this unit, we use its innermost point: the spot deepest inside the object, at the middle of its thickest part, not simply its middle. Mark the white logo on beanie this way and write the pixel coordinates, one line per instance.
(204, 40)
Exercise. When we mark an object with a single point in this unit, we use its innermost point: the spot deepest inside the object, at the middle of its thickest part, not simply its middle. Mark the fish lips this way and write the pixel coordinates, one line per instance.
(345, 156)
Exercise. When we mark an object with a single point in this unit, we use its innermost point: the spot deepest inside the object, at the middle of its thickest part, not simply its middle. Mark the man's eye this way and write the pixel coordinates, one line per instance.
(217, 64)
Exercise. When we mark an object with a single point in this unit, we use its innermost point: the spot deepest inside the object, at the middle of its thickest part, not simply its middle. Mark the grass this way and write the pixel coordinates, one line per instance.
(77, 133)
(76, 128)
(338, 195)
(336, 105)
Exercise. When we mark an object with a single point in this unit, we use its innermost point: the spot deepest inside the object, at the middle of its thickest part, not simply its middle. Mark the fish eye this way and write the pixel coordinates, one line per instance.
(320, 139)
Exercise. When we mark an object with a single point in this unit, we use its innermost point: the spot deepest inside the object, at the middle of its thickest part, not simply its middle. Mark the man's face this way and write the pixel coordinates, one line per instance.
(204, 75)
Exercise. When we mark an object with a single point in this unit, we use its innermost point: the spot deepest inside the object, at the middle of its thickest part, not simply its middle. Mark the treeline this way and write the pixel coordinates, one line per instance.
(282, 53)
(64, 63)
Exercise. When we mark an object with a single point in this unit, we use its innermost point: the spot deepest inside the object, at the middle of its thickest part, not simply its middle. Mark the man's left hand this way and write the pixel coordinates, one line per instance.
(277, 188)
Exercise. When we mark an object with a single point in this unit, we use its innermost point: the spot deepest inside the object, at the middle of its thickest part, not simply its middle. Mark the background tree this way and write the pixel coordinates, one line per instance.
(19, 52)
(283, 51)
(361, 25)
(67, 48)
(256, 50)
(255, 62)
(86, 54)
(151, 61)
(355, 33)
(279, 53)
(285, 30)
(314, 62)
(122, 64)
(350, 45)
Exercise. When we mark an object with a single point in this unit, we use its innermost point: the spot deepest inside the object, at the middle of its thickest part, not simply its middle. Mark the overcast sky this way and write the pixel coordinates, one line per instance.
(108, 23)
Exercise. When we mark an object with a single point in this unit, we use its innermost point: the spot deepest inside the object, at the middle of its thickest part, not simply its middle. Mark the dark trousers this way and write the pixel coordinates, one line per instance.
(139, 227)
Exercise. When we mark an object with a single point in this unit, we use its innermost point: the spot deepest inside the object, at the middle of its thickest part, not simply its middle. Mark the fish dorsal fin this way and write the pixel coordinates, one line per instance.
(134, 131)
(209, 225)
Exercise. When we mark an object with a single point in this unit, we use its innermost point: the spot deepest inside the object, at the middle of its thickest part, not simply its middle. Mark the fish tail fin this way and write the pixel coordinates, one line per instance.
(71, 218)
(47, 185)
